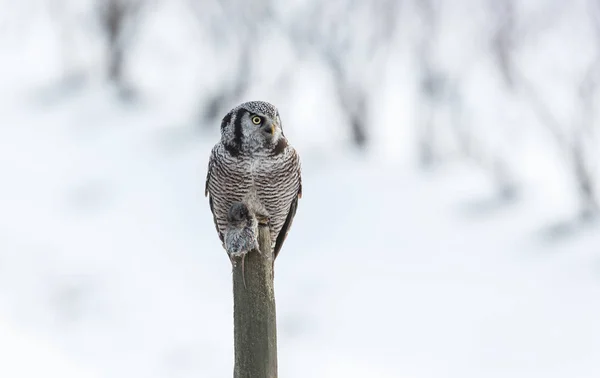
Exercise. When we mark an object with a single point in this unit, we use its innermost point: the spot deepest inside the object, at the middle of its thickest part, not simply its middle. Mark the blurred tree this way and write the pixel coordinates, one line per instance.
(503, 38)
(492, 160)
(431, 82)
(317, 28)
(61, 12)
(234, 25)
(350, 53)
(443, 89)
(576, 139)
(118, 20)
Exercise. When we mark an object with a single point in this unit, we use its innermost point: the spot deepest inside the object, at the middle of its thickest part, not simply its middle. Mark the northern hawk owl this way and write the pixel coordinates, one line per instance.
(254, 164)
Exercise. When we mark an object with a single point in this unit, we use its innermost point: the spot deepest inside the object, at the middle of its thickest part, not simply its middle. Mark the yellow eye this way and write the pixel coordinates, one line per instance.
(256, 120)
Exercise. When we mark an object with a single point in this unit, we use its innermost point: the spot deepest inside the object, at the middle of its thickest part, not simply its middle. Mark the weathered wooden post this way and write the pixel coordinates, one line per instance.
(255, 328)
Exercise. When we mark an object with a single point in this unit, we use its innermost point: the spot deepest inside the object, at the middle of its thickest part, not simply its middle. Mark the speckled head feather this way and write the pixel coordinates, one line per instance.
(252, 127)
(261, 108)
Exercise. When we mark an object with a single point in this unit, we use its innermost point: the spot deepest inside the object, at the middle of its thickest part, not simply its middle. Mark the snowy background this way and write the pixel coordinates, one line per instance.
(449, 222)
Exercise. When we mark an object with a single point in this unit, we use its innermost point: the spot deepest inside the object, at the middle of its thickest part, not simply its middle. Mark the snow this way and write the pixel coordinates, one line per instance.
(110, 265)
(432, 295)
(24, 356)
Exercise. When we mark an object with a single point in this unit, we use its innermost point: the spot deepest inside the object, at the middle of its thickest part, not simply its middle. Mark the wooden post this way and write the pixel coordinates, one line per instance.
(254, 318)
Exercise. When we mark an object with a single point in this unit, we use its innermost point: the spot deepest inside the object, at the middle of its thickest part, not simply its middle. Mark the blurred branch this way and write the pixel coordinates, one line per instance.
(430, 81)
(321, 29)
(583, 142)
(540, 108)
(229, 92)
(574, 141)
(59, 12)
(503, 38)
(117, 20)
(572, 145)
(232, 24)
(439, 90)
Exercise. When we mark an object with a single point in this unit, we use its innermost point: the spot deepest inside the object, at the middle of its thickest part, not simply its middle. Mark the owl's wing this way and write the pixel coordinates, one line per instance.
(210, 202)
(286, 227)
(291, 213)
(211, 164)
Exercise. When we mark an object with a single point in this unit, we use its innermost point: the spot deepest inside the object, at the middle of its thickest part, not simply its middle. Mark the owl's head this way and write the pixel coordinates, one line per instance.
(252, 127)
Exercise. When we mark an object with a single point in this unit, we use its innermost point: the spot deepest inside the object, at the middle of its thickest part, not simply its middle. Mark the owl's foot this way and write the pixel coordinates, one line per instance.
(263, 220)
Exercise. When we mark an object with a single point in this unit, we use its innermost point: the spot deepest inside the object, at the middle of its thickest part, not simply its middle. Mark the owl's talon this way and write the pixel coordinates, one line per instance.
(263, 220)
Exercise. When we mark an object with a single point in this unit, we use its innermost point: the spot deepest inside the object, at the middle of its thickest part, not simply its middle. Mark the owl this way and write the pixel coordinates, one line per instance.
(254, 164)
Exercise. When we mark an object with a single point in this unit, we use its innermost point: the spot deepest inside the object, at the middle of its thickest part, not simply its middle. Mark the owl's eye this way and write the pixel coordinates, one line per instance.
(256, 120)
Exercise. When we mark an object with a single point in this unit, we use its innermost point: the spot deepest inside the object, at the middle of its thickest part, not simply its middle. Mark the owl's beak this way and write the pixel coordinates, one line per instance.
(270, 128)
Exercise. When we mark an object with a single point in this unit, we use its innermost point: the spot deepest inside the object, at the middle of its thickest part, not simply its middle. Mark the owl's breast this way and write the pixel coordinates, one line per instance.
(258, 177)
(274, 185)
(266, 184)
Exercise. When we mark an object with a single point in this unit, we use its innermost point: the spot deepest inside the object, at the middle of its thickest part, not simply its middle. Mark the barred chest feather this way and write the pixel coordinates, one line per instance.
(266, 183)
